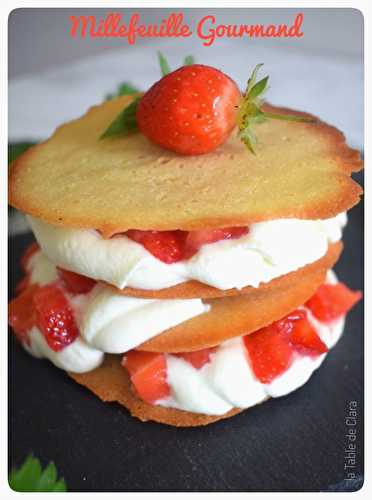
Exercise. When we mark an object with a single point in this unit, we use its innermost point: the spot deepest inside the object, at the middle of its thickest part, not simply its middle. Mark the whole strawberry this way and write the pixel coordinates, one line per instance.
(190, 111)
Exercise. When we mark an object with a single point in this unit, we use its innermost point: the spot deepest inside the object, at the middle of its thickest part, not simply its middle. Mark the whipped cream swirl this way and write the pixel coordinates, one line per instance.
(269, 250)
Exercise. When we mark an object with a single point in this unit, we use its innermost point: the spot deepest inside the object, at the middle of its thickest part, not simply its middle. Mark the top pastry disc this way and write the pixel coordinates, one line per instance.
(74, 179)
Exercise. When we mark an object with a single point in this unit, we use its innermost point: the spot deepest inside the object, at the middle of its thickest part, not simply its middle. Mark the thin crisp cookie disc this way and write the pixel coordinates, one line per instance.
(110, 382)
(231, 317)
(197, 290)
(74, 179)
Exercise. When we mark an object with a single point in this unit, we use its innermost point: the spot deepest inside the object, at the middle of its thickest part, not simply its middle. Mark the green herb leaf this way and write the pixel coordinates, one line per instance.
(60, 486)
(124, 88)
(30, 477)
(164, 66)
(125, 123)
(188, 61)
(15, 150)
(250, 113)
(48, 476)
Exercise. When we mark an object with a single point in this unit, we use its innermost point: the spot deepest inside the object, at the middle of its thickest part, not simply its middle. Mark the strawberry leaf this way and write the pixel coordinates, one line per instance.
(125, 123)
(259, 88)
(164, 66)
(31, 478)
(249, 138)
(253, 78)
(250, 113)
(288, 118)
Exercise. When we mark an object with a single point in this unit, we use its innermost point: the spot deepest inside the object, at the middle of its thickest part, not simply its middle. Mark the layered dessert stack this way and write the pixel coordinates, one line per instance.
(185, 286)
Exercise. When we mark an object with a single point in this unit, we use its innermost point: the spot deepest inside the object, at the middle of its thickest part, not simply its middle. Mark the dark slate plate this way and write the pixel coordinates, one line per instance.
(295, 443)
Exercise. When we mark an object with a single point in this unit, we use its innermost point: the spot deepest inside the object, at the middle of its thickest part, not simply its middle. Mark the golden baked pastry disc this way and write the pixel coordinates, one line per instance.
(74, 179)
(111, 383)
(243, 314)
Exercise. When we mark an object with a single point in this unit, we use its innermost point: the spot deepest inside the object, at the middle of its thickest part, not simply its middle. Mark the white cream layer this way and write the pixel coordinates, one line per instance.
(108, 322)
(228, 380)
(78, 357)
(269, 250)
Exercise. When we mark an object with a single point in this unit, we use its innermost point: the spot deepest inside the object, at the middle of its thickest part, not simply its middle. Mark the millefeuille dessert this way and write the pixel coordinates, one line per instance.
(183, 268)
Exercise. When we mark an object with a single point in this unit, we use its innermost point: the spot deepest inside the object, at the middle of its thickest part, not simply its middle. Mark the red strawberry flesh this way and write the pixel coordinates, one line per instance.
(174, 246)
(166, 246)
(197, 358)
(271, 348)
(332, 301)
(270, 353)
(190, 111)
(75, 283)
(148, 374)
(305, 338)
(54, 317)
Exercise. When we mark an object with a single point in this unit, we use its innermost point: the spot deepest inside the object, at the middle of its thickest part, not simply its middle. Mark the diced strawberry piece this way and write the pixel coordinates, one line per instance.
(305, 338)
(21, 313)
(195, 239)
(270, 352)
(286, 324)
(332, 301)
(30, 251)
(271, 348)
(148, 373)
(173, 246)
(166, 246)
(55, 318)
(197, 358)
(76, 283)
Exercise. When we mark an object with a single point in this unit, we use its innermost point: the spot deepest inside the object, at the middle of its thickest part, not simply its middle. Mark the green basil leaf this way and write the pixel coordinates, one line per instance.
(48, 477)
(164, 66)
(124, 88)
(125, 123)
(188, 61)
(31, 478)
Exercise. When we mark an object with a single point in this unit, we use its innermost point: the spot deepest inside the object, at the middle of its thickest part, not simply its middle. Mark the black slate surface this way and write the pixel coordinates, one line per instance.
(295, 443)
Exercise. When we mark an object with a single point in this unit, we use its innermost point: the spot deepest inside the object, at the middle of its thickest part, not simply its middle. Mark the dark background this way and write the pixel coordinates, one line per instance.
(294, 443)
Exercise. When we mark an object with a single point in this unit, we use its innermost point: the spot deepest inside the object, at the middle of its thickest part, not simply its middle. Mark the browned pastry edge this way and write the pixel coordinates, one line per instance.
(111, 383)
(346, 195)
(195, 289)
(240, 315)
